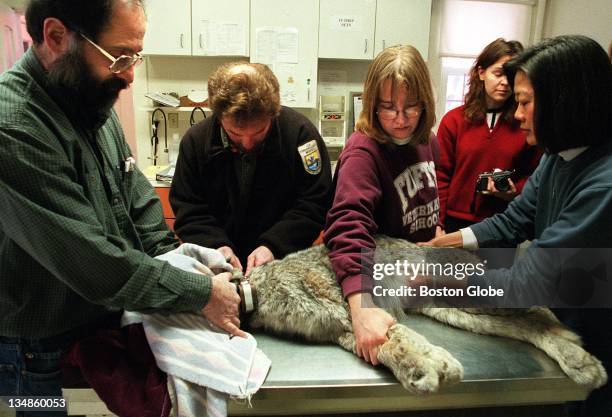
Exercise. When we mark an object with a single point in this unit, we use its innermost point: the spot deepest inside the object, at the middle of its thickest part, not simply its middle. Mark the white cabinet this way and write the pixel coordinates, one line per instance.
(168, 27)
(197, 27)
(360, 29)
(220, 28)
(284, 35)
(346, 29)
(403, 22)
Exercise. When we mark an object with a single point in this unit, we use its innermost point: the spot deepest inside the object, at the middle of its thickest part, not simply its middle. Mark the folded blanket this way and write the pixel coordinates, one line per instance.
(204, 365)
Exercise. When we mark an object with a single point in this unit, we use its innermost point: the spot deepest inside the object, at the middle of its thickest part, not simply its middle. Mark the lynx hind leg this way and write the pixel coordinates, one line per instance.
(420, 366)
(299, 295)
(542, 315)
(565, 347)
(548, 317)
(537, 328)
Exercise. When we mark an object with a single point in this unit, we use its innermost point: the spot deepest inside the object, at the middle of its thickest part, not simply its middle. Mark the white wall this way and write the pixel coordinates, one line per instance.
(11, 43)
(183, 74)
(589, 17)
(18, 5)
(592, 18)
(166, 74)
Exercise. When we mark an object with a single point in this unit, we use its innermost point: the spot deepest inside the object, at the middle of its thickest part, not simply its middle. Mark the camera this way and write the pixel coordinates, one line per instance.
(246, 291)
(500, 178)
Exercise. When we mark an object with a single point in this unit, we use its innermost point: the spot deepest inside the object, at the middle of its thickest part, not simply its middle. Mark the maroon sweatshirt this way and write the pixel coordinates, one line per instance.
(380, 189)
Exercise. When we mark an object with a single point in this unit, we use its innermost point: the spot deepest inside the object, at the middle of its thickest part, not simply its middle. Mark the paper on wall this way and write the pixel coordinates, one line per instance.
(222, 38)
(230, 38)
(265, 50)
(287, 46)
(276, 45)
(287, 79)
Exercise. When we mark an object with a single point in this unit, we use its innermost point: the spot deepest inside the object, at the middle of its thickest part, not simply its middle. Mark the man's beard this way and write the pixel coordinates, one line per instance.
(86, 97)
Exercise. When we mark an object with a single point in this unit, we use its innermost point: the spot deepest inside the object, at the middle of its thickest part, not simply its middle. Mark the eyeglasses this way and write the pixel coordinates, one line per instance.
(390, 114)
(119, 64)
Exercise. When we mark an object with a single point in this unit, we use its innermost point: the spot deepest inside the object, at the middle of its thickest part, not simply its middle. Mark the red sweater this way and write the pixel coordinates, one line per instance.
(467, 150)
(386, 189)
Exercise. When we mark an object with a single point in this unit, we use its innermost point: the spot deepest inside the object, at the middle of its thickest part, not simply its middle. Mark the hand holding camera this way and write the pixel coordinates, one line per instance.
(497, 183)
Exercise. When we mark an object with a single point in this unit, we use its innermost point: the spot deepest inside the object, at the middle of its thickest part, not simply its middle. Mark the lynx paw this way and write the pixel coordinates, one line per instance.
(420, 366)
(450, 369)
(579, 365)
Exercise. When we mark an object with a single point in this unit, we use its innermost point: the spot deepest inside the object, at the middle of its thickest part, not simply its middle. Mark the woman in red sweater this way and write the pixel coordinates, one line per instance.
(385, 183)
(482, 136)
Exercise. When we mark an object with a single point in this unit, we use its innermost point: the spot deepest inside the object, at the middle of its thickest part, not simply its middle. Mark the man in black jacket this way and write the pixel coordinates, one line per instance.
(253, 180)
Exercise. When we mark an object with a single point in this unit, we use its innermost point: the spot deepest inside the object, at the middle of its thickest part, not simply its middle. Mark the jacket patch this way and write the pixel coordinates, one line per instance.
(311, 157)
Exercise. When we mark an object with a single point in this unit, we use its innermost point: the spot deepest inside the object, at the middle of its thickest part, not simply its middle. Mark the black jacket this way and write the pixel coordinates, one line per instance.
(286, 206)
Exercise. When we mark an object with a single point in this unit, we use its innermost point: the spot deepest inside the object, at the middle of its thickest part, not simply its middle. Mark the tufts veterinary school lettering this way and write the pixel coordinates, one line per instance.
(408, 184)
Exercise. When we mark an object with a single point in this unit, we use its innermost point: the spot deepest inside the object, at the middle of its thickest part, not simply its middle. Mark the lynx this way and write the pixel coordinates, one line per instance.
(299, 295)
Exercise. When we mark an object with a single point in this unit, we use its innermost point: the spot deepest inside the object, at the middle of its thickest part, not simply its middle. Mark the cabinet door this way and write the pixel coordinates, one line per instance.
(220, 28)
(164, 196)
(403, 22)
(284, 35)
(346, 29)
(168, 27)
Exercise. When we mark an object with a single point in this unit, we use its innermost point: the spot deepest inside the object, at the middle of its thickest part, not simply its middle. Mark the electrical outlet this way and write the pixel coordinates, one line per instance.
(173, 120)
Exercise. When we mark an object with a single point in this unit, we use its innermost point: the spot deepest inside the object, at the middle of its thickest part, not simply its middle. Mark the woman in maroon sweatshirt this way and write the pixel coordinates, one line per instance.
(481, 136)
(385, 183)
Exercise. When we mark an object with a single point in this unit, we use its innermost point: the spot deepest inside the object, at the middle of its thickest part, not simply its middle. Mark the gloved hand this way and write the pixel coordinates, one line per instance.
(212, 259)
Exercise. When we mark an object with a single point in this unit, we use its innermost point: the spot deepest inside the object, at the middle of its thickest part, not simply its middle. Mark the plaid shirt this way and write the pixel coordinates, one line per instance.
(77, 234)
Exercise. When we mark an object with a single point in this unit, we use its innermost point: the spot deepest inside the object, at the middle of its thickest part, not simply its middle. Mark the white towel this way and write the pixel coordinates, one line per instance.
(204, 365)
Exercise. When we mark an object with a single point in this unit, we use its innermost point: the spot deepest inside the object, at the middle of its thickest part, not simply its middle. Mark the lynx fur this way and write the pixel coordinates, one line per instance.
(299, 295)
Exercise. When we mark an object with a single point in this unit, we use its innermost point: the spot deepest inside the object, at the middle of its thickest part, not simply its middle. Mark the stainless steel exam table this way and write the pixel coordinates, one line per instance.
(309, 379)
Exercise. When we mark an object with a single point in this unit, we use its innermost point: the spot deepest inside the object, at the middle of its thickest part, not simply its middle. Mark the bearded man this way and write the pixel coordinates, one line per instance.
(80, 224)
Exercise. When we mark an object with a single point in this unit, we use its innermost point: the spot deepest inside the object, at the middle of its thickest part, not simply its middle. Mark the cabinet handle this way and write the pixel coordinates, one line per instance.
(182, 40)
(365, 49)
(384, 44)
(201, 46)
